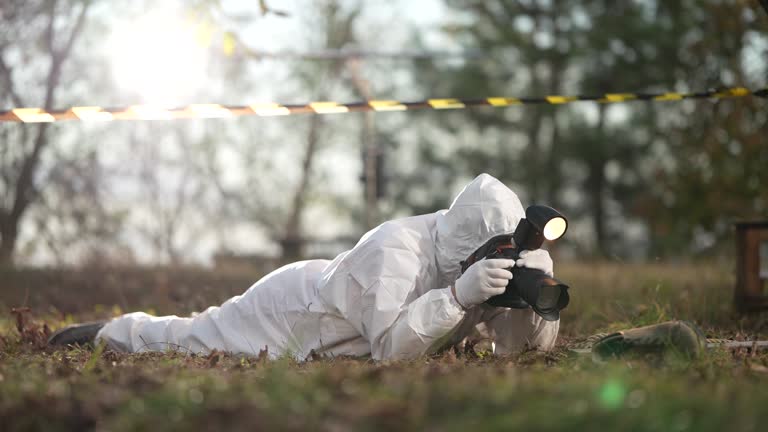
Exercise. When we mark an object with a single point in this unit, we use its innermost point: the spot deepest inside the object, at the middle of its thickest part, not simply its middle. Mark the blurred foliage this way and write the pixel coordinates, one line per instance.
(684, 171)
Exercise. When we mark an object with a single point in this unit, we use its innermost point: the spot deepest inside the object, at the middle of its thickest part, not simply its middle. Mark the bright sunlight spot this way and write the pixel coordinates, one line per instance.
(159, 58)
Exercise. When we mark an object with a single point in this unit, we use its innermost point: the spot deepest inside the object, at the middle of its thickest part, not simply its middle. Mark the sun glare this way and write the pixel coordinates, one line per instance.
(159, 58)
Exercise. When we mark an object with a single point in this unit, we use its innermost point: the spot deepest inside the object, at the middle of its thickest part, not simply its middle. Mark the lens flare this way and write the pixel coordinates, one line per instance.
(612, 394)
(555, 228)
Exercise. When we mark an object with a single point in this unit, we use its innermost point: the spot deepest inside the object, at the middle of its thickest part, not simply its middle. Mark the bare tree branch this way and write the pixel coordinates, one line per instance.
(58, 57)
(26, 189)
(76, 29)
(10, 87)
(50, 29)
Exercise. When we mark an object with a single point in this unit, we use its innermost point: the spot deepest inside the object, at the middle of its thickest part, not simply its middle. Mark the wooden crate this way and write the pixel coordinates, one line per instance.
(751, 266)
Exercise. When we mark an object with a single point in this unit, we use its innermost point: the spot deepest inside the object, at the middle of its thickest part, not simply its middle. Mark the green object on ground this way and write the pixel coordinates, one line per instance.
(672, 337)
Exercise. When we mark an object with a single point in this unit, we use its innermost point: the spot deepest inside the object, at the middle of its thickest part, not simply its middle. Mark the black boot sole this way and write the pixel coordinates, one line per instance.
(77, 334)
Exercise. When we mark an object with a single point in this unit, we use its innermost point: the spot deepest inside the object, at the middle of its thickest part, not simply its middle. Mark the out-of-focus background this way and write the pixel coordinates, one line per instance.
(638, 181)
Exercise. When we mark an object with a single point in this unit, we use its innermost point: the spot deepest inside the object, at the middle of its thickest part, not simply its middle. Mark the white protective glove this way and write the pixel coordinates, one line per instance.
(537, 259)
(483, 280)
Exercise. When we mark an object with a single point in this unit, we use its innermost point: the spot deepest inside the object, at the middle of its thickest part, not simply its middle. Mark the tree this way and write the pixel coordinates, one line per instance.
(614, 56)
(612, 164)
(263, 144)
(713, 170)
(36, 41)
(536, 49)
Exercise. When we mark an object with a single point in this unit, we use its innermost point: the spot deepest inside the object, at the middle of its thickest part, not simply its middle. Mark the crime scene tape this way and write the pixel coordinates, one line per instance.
(152, 112)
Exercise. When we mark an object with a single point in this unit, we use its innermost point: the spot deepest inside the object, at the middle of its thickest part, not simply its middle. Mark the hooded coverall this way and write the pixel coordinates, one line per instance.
(389, 297)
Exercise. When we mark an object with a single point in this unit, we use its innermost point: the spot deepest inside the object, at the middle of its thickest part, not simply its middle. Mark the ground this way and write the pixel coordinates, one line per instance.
(76, 389)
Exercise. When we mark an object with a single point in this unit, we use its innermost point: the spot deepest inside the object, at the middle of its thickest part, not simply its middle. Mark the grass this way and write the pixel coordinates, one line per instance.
(76, 389)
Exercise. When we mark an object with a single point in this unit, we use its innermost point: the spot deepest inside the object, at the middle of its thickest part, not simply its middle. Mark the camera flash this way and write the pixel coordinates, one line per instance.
(554, 228)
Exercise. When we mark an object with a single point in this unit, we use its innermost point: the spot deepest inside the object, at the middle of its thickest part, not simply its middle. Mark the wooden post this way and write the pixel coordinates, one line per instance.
(749, 295)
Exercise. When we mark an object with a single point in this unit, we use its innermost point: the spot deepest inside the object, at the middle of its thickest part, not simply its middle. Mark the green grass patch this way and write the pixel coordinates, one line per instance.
(80, 389)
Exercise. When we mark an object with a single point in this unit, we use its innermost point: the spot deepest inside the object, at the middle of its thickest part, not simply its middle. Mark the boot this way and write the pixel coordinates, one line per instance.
(77, 334)
(677, 337)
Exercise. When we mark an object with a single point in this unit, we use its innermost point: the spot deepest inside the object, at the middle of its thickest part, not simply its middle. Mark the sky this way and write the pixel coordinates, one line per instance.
(140, 46)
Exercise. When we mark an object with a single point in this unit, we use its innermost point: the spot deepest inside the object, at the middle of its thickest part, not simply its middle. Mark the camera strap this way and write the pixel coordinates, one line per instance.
(490, 249)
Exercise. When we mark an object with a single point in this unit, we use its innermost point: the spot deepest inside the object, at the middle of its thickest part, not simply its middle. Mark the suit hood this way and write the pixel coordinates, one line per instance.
(483, 209)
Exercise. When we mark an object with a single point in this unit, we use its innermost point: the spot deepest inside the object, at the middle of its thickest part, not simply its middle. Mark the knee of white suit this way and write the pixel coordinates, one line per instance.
(519, 329)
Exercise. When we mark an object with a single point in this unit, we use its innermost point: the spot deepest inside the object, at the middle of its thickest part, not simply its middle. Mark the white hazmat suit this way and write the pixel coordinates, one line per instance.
(389, 297)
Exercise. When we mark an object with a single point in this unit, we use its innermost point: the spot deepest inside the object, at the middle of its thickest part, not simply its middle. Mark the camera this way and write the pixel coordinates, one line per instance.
(528, 287)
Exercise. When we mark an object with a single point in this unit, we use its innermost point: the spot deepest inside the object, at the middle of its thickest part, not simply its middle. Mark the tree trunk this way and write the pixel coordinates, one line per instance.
(597, 201)
(557, 65)
(24, 189)
(533, 155)
(292, 242)
(596, 184)
(8, 235)
(24, 194)
(553, 165)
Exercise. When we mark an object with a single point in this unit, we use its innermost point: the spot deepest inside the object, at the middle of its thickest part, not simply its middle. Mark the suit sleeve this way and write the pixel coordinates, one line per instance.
(397, 325)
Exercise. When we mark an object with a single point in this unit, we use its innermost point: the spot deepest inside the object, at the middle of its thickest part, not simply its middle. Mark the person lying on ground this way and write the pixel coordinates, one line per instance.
(397, 294)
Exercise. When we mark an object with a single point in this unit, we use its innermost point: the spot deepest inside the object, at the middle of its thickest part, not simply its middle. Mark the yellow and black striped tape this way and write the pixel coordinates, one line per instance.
(149, 112)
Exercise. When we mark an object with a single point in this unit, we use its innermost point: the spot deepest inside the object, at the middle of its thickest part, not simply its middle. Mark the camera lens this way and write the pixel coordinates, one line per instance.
(549, 295)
